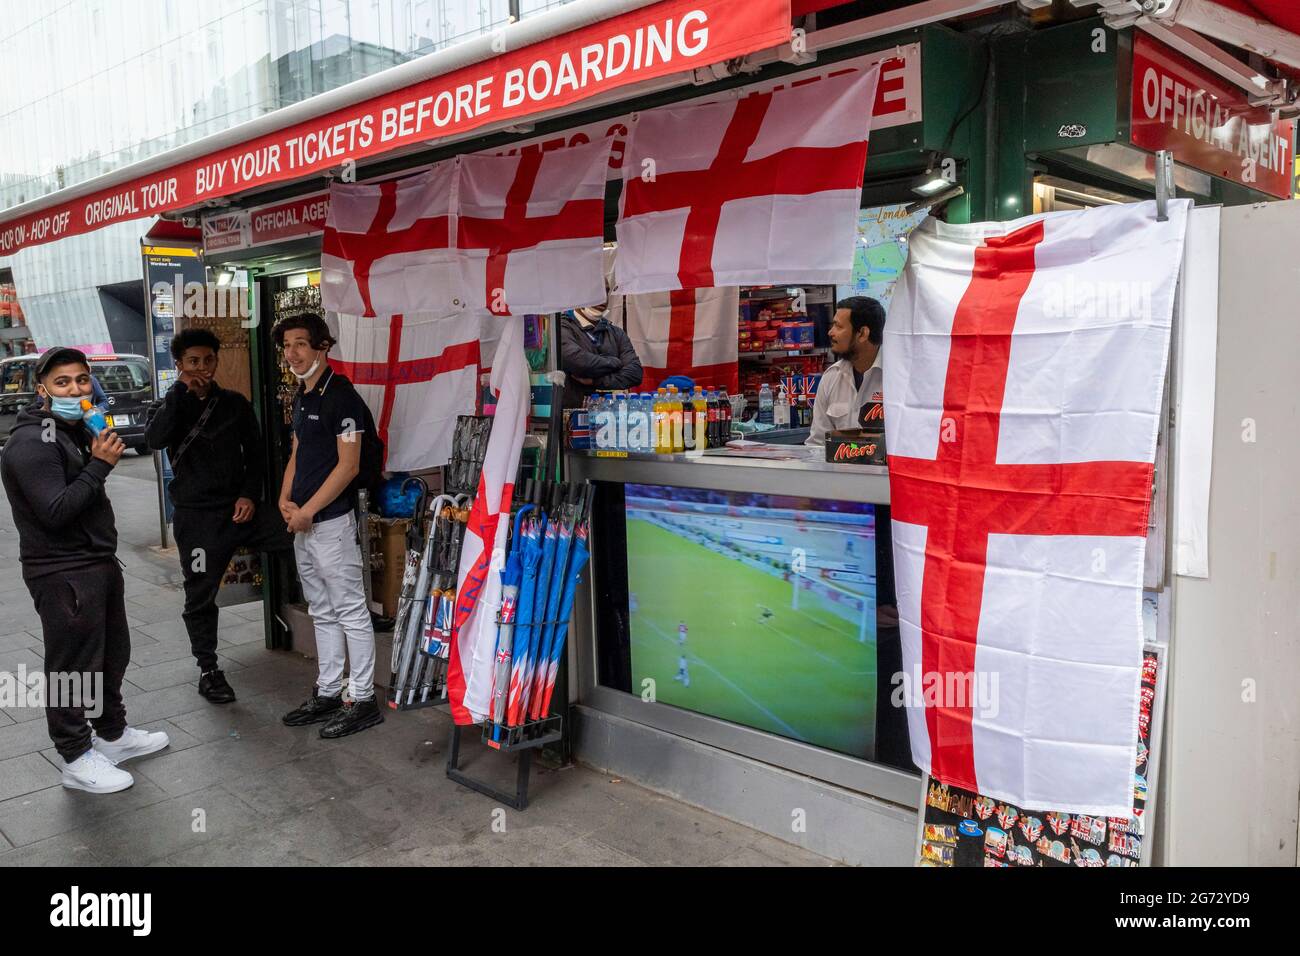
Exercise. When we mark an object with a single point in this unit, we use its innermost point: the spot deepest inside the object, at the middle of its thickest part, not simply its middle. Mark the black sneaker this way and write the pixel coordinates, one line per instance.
(214, 687)
(314, 711)
(354, 717)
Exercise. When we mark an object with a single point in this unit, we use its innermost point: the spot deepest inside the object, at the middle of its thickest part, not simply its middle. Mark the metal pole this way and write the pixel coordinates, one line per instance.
(153, 375)
(1164, 183)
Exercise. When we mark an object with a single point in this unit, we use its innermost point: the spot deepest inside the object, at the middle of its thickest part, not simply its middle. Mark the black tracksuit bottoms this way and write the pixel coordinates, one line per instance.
(206, 540)
(83, 622)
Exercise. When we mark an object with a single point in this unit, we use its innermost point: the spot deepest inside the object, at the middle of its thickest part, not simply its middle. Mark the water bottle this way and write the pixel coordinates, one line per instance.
(93, 417)
(600, 421)
(765, 405)
(781, 410)
(635, 422)
(620, 421)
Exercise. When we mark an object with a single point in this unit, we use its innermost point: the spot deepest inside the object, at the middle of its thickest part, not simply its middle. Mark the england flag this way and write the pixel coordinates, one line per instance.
(417, 372)
(689, 332)
(758, 190)
(388, 247)
(1024, 370)
(530, 229)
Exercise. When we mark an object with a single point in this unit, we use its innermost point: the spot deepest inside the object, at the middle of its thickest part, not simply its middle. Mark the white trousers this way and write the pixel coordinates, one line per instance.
(329, 567)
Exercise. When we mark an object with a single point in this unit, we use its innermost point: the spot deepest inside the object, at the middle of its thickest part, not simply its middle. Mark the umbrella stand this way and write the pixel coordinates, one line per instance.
(541, 583)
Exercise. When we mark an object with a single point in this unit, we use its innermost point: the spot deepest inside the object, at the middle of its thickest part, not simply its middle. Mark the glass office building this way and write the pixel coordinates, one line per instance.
(91, 86)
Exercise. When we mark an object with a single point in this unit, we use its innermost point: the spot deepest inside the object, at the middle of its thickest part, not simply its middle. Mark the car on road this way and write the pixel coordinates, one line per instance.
(127, 382)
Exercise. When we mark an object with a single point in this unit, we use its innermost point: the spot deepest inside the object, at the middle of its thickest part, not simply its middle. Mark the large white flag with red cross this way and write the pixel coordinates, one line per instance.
(530, 229)
(757, 190)
(417, 372)
(688, 332)
(1023, 374)
(388, 247)
(478, 578)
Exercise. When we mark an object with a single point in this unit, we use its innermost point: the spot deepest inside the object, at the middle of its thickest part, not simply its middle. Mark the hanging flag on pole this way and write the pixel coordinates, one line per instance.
(1023, 385)
(478, 581)
(690, 332)
(417, 372)
(758, 190)
(531, 228)
(387, 246)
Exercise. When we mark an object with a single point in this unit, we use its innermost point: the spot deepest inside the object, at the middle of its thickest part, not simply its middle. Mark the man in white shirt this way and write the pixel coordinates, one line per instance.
(856, 379)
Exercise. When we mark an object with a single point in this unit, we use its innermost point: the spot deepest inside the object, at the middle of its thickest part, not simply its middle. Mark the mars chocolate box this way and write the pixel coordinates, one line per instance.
(860, 446)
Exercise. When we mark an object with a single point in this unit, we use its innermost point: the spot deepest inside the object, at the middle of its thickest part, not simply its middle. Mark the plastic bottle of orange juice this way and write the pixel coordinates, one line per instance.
(663, 442)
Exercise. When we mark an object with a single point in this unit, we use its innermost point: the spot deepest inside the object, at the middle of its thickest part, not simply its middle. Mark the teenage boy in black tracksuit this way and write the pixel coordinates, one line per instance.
(213, 443)
(54, 474)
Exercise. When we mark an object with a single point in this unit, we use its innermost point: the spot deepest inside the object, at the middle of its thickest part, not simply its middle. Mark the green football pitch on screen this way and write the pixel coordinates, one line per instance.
(723, 627)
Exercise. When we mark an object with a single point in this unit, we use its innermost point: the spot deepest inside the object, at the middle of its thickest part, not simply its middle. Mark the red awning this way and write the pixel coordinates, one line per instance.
(532, 68)
(1270, 28)
(1281, 13)
(167, 230)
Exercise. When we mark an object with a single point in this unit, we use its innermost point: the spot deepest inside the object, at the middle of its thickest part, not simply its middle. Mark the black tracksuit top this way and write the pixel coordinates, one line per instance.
(222, 463)
(56, 491)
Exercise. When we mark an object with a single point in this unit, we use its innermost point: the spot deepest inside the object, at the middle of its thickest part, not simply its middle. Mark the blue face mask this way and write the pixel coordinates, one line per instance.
(66, 408)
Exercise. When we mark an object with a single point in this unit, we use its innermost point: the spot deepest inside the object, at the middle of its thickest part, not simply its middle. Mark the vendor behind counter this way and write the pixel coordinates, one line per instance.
(857, 376)
(595, 355)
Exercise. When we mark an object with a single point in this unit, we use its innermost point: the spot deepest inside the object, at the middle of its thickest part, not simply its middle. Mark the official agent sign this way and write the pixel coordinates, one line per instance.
(668, 37)
(1207, 124)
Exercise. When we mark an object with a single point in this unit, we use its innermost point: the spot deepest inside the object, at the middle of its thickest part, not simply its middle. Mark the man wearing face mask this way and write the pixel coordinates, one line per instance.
(856, 380)
(214, 445)
(595, 354)
(318, 502)
(54, 472)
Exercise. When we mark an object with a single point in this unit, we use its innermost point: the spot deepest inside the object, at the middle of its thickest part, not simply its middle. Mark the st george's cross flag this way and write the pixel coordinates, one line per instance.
(688, 332)
(388, 247)
(1023, 374)
(530, 229)
(758, 190)
(417, 372)
(478, 580)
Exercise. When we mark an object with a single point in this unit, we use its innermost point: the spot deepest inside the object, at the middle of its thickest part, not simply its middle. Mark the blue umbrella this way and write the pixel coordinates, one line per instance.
(535, 533)
(510, 577)
(554, 584)
(551, 666)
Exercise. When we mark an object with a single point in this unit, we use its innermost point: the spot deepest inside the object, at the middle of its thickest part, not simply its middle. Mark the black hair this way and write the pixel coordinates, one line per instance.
(318, 333)
(865, 312)
(192, 339)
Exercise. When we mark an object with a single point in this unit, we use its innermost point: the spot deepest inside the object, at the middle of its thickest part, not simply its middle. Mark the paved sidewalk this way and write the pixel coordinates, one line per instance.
(236, 787)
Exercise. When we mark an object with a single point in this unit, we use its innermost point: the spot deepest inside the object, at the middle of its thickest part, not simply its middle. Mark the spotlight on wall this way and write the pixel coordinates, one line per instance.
(929, 183)
(937, 199)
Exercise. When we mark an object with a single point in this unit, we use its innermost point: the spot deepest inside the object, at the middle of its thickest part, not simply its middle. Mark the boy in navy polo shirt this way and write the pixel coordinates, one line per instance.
(318, 501)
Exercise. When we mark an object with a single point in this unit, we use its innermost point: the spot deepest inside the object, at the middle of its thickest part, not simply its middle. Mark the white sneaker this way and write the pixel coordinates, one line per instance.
(133, 743)
(95, 773)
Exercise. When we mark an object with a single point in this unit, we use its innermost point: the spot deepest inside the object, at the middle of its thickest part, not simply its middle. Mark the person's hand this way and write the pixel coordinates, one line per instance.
(300, 520)
(106, 446)
(244, 508)
(286, 508)
(886, 615)
(195, 382)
